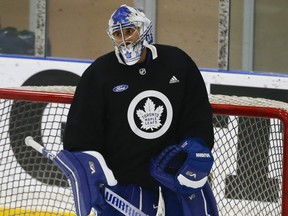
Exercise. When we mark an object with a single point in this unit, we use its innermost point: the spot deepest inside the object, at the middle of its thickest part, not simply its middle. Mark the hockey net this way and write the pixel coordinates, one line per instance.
(251, 138)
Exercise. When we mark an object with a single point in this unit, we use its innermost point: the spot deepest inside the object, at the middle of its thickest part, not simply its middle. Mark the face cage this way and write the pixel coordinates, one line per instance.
(123, 44)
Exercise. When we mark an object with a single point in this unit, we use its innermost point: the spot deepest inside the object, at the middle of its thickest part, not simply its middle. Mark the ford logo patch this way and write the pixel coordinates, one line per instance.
(120, 88)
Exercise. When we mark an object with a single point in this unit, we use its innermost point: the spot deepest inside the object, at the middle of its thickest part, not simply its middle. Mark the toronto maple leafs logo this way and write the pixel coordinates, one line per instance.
(150, 117)
(128, 54)
(150, 114)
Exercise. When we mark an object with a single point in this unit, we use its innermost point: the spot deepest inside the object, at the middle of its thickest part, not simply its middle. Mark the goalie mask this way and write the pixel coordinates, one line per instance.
(130, 31)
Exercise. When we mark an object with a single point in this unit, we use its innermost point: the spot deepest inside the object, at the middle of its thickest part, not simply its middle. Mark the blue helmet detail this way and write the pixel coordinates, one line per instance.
(121, 15)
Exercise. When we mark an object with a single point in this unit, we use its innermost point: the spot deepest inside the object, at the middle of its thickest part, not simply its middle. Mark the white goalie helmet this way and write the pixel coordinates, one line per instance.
(129, 19)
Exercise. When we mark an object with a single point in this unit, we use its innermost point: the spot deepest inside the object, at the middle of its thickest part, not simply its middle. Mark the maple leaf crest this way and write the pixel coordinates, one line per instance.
(128, 54)
(150, 117)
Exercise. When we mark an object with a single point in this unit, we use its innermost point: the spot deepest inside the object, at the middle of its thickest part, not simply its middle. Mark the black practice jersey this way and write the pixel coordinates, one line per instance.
(131, 113)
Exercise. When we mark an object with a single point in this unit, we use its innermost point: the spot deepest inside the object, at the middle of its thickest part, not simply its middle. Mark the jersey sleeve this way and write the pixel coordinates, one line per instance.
(85, 124)
(196, 118)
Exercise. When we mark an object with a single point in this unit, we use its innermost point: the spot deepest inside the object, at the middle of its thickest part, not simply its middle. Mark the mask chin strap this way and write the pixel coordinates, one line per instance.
(152, 48)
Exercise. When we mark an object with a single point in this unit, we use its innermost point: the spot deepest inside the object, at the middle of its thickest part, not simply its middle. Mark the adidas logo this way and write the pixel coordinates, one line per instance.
(173, 80)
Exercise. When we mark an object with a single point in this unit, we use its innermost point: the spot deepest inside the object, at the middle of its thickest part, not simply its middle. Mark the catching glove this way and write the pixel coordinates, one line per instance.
(183, 168)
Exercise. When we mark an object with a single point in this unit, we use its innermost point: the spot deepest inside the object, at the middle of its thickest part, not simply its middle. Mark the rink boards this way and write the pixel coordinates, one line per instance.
(16, 72)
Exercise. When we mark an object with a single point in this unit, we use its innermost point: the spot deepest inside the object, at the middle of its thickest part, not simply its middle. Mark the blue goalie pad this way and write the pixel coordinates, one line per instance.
(183, 168)
(86, 172)
(130, 200)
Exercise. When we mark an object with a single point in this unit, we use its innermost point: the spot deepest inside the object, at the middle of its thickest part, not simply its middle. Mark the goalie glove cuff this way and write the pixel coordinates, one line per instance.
(183, 168)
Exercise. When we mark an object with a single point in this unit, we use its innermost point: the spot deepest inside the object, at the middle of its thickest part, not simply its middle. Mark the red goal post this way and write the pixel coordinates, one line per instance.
(248, 176)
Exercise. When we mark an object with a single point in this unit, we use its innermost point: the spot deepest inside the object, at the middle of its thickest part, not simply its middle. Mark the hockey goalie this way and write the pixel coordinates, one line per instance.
(139, 132)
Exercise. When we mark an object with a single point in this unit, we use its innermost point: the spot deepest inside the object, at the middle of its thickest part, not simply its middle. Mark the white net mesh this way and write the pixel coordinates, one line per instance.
(247, 176)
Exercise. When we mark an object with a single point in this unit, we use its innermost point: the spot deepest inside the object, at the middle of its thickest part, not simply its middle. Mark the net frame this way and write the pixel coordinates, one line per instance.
(221, 104)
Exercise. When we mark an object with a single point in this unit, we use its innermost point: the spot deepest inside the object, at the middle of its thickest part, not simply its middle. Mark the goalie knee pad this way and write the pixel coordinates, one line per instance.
(183, 168)
(86, 171)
